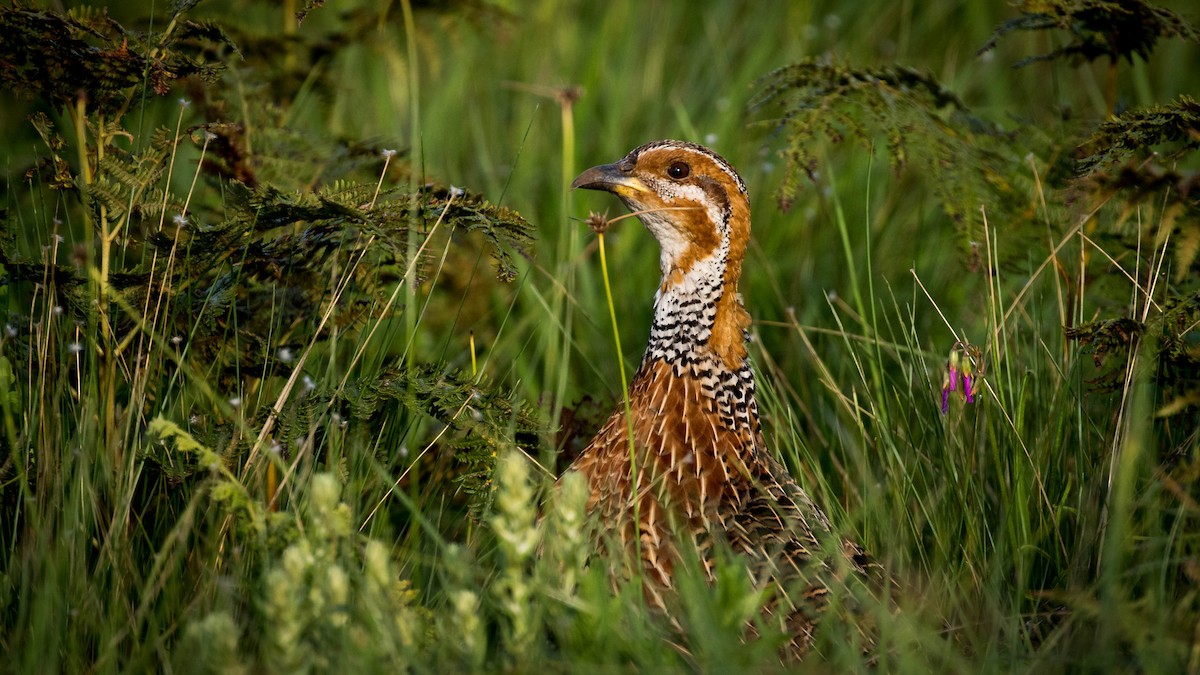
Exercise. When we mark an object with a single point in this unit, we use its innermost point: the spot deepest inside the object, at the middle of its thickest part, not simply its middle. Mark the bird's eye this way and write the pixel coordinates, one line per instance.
(678, 170)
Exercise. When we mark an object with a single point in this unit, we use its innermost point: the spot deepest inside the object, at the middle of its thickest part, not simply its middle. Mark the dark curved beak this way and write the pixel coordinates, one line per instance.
(613, 178)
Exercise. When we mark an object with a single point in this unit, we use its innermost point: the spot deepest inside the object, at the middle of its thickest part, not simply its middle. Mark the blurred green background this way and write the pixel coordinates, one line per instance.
(1031, 531)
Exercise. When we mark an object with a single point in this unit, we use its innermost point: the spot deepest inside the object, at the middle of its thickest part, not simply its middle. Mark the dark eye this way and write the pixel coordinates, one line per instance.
(678, 170)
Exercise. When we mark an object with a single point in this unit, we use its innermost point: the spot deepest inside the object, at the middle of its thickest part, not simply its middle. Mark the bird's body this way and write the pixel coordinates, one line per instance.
(703, 472)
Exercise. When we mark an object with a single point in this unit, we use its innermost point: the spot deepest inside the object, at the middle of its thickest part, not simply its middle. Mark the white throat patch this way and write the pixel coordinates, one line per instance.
(673, 242)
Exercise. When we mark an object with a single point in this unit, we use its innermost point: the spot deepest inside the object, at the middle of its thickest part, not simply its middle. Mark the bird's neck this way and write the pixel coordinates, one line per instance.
(700, 329)
(685, 312)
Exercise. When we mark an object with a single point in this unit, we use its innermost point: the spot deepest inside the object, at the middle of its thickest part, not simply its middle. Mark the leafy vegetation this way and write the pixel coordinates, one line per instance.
(301, 323)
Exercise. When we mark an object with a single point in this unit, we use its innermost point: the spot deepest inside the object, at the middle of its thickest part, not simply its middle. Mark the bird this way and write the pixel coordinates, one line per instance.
(702, 472)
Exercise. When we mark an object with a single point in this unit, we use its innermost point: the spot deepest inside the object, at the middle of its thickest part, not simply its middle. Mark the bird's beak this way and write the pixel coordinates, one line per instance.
(610, 178)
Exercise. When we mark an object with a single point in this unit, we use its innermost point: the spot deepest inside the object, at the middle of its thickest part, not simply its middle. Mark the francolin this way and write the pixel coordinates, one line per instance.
(703, 472)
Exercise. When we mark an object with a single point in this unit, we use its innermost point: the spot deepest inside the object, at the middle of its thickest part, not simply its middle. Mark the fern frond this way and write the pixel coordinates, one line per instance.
(969, 161)
(1098, 28)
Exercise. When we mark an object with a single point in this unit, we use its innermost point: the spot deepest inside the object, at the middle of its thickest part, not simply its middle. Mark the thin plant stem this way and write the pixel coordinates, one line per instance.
(633, 467)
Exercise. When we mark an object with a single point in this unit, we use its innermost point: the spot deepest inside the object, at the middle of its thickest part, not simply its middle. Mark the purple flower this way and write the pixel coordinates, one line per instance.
(960, 372)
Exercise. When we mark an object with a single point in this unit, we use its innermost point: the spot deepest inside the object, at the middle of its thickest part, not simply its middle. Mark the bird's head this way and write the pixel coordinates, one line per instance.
(695, 204)
(690, 199)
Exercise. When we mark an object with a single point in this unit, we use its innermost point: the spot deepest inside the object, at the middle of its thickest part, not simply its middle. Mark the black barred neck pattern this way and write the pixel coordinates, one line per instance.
(683, 321)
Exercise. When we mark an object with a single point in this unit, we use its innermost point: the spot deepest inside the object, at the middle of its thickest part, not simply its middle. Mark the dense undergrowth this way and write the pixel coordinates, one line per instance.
(300, 323)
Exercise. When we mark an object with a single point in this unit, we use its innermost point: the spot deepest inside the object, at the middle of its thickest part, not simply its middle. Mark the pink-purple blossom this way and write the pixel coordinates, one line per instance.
(963, 374)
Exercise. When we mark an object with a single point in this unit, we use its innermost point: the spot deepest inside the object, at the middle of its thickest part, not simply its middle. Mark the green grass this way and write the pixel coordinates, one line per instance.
(151, 524)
